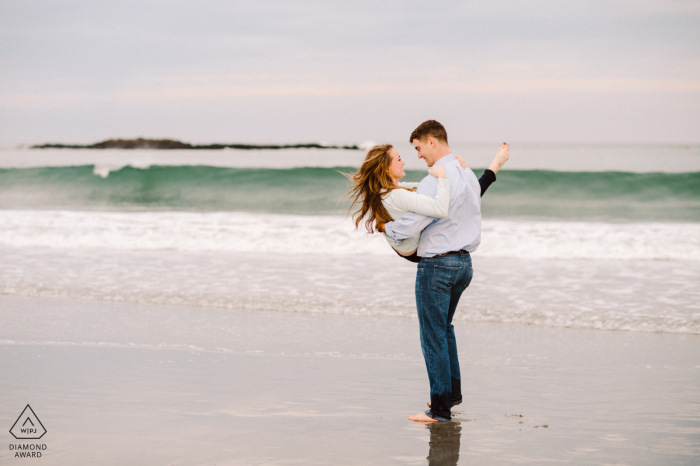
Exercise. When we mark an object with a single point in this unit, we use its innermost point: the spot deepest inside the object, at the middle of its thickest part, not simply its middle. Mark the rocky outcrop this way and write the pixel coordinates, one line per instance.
(170, 144)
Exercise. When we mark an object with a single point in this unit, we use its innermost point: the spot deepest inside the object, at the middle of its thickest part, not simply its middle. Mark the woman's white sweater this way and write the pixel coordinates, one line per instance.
(400, 201)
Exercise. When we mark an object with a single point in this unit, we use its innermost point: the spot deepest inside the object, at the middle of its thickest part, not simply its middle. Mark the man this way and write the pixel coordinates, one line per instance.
(445, 269)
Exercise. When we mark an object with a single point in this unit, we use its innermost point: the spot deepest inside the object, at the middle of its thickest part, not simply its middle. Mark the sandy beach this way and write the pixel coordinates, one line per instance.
(140, 384)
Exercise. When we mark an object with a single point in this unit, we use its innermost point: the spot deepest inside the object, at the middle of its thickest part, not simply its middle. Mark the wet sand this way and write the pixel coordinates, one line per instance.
(128, 384)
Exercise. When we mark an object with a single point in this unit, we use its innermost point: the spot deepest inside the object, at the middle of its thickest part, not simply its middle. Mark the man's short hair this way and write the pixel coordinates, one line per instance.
(429, 128)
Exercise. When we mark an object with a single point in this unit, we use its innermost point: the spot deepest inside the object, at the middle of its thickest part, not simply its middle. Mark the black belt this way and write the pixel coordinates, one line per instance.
(415, 258)
(460, 252)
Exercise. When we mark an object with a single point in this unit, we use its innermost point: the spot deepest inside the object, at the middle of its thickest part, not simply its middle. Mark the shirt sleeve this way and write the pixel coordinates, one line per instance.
(408, 185)
(422, 204)
(411, 224)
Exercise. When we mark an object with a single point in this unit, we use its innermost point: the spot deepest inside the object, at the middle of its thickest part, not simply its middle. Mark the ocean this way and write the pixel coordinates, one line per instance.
(581, 236)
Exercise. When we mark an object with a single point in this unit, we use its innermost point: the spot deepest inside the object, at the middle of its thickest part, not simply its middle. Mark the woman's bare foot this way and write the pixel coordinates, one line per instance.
(422, 417)
(501, 157)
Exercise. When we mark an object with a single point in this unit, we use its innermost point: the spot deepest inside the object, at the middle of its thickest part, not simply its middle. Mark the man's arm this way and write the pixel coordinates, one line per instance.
(411, 224)
(408, 226)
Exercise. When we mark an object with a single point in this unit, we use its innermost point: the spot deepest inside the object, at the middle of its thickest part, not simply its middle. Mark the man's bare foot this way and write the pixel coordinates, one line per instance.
(422, 417)
(451, 406)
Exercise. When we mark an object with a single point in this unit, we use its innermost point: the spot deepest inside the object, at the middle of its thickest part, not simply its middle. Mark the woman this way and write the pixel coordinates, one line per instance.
(383, 198)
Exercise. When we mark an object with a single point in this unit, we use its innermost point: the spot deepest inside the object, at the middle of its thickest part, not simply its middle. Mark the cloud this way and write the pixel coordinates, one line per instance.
(215, 88)
(98, 57)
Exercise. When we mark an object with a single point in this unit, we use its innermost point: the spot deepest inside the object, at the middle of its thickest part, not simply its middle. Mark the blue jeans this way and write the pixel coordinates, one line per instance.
(439, 285)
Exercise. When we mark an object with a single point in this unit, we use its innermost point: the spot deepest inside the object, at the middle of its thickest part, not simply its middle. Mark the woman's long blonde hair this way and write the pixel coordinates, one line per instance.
(370, 185)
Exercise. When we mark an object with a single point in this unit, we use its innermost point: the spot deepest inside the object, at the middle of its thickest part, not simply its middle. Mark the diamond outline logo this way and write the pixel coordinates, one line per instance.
(29, 418)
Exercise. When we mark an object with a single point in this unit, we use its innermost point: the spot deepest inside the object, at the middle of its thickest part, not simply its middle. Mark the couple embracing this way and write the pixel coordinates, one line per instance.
(437, 224)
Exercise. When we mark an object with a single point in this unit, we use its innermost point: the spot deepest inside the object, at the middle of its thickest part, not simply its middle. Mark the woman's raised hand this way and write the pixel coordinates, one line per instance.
(461, 161)
(438, 171)
(501, 157)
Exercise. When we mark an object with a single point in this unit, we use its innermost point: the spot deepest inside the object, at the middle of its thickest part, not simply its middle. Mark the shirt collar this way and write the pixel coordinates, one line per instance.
(445, 159)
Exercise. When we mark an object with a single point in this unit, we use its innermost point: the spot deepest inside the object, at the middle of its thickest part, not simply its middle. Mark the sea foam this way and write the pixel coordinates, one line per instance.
(335, 235)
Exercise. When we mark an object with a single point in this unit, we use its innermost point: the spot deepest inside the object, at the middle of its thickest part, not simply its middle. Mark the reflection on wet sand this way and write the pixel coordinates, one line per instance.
(444, 443)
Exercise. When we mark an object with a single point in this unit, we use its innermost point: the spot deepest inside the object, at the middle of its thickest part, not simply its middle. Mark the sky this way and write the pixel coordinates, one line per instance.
(613, 71)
